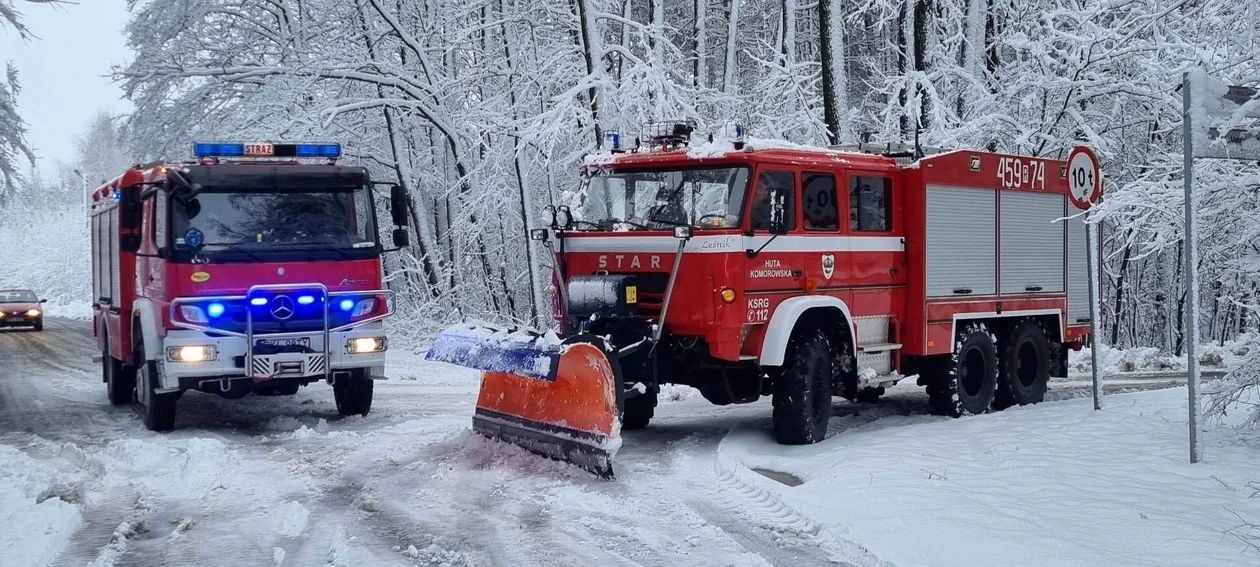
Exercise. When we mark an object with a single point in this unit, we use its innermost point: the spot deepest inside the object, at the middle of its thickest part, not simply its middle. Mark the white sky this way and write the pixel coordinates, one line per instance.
(62, 69)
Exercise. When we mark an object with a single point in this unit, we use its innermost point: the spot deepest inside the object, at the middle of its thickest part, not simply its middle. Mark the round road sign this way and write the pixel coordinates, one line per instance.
(1084, 177)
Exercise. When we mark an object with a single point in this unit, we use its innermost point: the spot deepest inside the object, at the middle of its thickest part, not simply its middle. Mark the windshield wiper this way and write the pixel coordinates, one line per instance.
(670, 222)
(238, 248)
(329, 247)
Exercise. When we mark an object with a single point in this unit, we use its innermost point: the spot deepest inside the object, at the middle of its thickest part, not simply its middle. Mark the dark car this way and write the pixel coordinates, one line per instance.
(20, 308)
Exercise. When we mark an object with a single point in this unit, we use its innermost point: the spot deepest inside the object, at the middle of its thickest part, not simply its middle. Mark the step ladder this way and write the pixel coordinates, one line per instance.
(875, 350)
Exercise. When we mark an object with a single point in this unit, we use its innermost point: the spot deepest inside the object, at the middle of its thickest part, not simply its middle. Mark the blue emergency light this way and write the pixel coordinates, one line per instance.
(265, 150)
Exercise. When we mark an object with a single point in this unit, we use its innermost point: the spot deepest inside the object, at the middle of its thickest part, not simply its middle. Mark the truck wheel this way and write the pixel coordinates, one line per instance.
(159, 409)
(638, 411)
(120, 381)
(1024, 366)
(353, 394)
(969, 378)
(802, 389)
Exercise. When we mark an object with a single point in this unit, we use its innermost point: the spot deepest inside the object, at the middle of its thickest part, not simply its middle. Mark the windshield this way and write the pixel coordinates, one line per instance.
(17, 296)
(659, 199)
(336, 218)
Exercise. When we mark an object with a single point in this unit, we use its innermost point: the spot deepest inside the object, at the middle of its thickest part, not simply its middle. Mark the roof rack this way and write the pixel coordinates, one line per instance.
(903, 154)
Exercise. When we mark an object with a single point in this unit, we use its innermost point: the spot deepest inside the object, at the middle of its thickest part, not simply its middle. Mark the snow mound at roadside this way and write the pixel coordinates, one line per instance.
(38, 508)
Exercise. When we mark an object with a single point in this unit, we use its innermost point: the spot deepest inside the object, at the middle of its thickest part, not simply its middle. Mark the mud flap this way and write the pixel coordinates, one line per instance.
(558, 399)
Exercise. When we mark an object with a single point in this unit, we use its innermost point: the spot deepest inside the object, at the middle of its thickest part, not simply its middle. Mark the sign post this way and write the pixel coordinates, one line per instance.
(1192, 284)
(1084, 189)
(1227, 132)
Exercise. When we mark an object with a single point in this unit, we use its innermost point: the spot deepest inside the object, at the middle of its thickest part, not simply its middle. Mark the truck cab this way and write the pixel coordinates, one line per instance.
(249, 270)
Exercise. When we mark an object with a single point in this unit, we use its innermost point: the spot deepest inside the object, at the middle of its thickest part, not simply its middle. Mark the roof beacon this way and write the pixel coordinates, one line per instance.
(613, 139)
(266, 150)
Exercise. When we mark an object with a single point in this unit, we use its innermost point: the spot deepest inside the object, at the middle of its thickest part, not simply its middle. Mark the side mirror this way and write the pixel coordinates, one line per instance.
(398, 200)
(43, 301)
(539, 234)
(401, 238)
(778, 212)
(682, 232)
(130, 208)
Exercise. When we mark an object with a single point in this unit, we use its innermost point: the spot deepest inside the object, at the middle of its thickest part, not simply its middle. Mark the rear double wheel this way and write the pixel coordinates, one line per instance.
(965, 383)
(120, 380)
(802, 389)
(1024, 365)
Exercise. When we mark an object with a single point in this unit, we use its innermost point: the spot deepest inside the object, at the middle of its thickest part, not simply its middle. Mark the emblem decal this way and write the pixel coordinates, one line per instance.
(828, 265)
(282, 307)
(200, 277)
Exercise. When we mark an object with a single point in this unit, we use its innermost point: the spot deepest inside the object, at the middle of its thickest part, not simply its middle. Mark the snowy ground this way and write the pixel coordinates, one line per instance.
(283, 480)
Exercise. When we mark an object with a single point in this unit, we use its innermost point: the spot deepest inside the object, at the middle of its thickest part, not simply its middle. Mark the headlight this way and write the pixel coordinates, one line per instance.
(193, 314)
(191, 353)
(364, 307)
(363, 345)
(32, 313)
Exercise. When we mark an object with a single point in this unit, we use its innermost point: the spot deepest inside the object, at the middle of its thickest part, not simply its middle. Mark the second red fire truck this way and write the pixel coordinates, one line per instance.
(255, 268)
(763, 269)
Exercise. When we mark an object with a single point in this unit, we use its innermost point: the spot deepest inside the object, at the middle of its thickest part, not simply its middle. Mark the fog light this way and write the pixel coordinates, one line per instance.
(192, 353)
(728, 295)
(363, 345)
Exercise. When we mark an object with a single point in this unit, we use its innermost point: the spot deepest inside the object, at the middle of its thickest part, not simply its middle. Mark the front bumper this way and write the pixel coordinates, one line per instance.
(20, 320)
(230, 357)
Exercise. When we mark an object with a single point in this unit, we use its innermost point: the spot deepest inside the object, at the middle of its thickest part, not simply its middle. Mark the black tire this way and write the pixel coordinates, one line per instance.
(120, 380)
(1023, 366)
(638, 411)
(39, 326)
(802, 389)
(353, 394)
(966, 383)
(159, 412)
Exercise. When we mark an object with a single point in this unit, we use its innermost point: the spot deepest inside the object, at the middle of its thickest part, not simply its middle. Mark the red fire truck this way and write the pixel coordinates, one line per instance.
(754, 269)
(255, 268)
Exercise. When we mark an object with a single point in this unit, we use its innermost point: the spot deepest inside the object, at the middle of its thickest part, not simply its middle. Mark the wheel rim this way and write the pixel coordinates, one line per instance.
(971, 375)
(1026, 364)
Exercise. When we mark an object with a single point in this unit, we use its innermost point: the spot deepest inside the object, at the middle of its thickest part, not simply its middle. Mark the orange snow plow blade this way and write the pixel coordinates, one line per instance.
(557, 400)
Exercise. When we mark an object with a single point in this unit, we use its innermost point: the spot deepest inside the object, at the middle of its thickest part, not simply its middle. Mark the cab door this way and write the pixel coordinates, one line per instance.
(826, 255)
(777, 270)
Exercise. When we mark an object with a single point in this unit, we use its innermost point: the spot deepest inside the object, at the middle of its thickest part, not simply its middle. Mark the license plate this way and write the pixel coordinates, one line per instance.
(304, 342)
(16, 319)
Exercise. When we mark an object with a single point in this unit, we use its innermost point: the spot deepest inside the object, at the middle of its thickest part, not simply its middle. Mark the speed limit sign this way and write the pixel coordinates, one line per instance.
(1084, 177)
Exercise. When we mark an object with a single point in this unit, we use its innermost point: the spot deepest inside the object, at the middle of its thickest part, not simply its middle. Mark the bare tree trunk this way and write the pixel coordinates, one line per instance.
(835, 80)
(700, 69)
(729, 75)
(592, 54)
(535, 293)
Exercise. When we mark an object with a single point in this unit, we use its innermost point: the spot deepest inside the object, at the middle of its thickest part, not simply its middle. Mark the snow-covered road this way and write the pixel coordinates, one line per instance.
(284, 480)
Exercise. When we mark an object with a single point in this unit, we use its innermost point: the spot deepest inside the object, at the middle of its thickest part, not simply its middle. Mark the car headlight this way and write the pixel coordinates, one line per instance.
(32, 313)
(364, 345)
(191, 353)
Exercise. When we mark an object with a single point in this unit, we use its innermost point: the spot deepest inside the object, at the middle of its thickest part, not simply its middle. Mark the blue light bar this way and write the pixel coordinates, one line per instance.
(258, 301)
(306, 299)
(319, 150)
(347, 304)
(266, 150)
(215, 309)
(215, 149)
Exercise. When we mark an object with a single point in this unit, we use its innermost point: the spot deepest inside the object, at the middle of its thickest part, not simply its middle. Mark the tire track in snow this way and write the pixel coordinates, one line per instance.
(764, 524)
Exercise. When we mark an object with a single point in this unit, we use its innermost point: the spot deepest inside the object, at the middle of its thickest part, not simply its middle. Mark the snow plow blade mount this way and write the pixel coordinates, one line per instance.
(559, 400)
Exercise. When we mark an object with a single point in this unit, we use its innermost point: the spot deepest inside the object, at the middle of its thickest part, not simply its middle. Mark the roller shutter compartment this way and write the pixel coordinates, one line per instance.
(1032, 242)
(961, 241)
